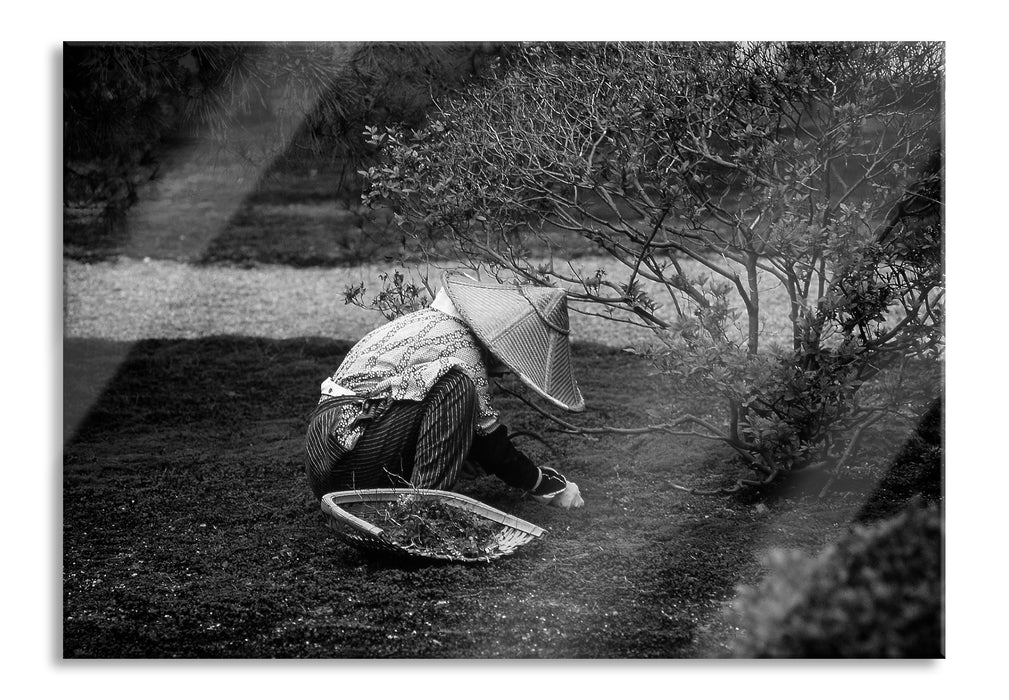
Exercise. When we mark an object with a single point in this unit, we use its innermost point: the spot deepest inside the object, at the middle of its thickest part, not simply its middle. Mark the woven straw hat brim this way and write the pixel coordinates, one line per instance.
(524, 327)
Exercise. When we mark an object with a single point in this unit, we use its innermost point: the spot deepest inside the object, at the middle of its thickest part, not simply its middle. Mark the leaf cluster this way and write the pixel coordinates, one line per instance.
(396, 298)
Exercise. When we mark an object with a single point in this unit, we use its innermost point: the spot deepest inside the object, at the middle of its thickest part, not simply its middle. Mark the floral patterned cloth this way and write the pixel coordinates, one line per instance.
(402, 360)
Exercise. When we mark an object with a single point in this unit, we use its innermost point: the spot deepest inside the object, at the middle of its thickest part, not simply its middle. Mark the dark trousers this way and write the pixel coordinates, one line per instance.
(422, 444)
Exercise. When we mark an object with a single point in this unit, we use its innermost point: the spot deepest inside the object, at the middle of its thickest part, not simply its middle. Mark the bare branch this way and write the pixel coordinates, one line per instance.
(668, 428)
(740, 485)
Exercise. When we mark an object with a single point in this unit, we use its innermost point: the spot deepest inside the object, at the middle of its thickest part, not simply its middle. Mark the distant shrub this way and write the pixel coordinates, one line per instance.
(878, 593)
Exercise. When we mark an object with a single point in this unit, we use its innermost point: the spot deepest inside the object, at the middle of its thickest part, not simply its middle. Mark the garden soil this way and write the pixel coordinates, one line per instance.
(189, 529)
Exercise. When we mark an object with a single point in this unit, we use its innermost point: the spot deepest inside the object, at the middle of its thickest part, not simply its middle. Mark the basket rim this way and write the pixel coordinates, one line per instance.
(330, 505)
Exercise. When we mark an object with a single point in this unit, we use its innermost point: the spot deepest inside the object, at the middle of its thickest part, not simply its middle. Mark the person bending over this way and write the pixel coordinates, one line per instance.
(410, 403)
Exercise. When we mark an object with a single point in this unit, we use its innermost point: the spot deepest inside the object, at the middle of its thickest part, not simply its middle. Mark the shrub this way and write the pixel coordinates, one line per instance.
(878, 593)
(707, 172)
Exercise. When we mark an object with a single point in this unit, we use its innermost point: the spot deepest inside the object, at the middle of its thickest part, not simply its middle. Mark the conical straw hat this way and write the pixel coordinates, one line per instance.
(526, 328)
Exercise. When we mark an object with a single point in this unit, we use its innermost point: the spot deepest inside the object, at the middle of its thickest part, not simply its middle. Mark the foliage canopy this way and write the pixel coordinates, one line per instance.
(707, 173)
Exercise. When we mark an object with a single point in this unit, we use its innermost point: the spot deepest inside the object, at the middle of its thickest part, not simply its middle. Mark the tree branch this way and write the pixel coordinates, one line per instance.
(667, 428)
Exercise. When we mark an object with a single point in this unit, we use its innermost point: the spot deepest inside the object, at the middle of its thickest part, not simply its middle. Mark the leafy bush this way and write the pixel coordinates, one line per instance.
(708, 172)
(878, 593)
(396, 297)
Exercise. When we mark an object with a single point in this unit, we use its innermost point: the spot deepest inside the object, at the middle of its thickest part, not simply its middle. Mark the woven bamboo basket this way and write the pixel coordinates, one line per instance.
(358, 532)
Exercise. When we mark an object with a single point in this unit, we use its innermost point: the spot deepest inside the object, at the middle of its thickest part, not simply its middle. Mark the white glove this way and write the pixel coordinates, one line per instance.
(556, 490)
(570, 497)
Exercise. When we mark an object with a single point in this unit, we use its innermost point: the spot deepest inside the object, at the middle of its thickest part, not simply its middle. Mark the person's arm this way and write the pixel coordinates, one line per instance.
(498, 456)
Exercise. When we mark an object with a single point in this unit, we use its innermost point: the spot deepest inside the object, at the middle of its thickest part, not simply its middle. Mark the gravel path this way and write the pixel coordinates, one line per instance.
(132, 300)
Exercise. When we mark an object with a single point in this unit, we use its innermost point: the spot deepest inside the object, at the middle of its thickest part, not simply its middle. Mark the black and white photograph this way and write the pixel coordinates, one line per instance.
(503, 350)
(553, 349)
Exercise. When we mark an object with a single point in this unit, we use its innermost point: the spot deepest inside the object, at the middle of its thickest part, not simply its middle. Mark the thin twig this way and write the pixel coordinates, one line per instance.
(727, 490)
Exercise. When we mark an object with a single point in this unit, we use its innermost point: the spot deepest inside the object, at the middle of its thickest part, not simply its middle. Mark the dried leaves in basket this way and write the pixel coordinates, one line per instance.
(433, 527)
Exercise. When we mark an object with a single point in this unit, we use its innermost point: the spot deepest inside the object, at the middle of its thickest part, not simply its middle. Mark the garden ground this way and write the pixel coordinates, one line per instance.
(188, 529)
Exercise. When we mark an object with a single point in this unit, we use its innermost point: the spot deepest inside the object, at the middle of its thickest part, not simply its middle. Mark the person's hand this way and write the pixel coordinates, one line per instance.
(555, 489)
(570, 497)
